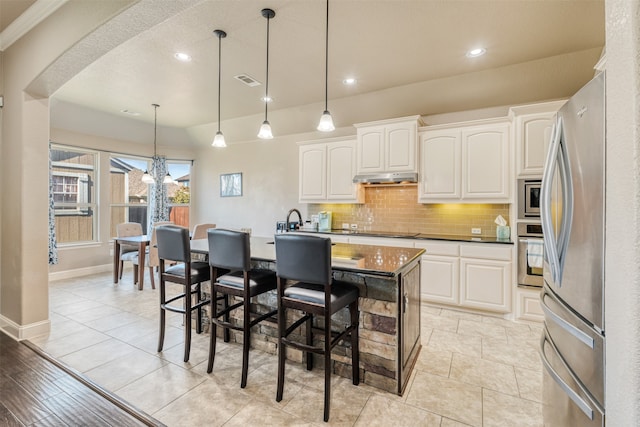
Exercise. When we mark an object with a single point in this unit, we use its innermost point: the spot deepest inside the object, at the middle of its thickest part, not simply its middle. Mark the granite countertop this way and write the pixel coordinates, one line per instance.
(377, 260)
(419, 236)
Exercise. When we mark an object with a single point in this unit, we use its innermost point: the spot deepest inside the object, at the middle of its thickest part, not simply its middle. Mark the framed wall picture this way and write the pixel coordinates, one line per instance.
(231, 184)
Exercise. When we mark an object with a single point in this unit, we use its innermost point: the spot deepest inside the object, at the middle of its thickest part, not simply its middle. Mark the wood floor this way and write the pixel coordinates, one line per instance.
(36, 392)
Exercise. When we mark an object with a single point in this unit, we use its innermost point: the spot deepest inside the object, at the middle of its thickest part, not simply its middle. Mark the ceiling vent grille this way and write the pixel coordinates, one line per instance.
(248, 80)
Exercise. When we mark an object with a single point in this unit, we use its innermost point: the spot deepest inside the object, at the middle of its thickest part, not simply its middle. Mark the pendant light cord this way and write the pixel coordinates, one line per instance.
(266, 94)
(219, 71)
(326, 63)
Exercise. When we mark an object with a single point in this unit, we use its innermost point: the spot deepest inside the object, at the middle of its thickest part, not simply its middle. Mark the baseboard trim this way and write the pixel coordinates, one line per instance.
(79, 272)
(24, 332)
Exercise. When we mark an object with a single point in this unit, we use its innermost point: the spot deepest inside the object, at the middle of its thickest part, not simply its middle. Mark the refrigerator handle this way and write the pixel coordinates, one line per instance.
(550, 244)
(564, 168)
(584, 338)
(584, 406)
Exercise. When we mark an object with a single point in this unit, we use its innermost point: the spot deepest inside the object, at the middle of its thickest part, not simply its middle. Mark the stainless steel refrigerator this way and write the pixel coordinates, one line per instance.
(572, 215)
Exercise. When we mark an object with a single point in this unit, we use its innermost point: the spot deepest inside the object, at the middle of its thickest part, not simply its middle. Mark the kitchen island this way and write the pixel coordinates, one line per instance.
(389, 282)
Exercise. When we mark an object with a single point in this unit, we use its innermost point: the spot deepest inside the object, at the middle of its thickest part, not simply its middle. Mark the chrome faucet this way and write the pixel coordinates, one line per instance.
(289, 215)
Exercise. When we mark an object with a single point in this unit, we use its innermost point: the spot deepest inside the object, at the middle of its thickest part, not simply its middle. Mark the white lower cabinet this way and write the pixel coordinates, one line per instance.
(476, 276)
(528, 304)
(485, 277)
(439, 274)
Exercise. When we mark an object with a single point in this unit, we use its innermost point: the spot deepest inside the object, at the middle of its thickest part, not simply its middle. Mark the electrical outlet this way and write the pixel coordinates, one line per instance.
(345, 226)
(476, 231)
(354, 226)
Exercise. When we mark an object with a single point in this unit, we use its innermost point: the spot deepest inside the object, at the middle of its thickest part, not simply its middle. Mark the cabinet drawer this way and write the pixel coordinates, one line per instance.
(484, 251)
(439, 248)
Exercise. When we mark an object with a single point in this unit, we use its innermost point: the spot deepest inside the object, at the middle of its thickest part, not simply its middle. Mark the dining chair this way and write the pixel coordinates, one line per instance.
(127, 252)
(307, 261)
(230, 250)
(174, 245)
(151, 260)
(200, 231)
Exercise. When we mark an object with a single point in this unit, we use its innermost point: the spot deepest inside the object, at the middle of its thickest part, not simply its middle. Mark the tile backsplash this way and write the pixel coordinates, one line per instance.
(396, 209)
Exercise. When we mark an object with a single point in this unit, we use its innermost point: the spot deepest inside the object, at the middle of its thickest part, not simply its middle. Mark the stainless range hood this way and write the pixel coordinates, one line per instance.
(386, 178)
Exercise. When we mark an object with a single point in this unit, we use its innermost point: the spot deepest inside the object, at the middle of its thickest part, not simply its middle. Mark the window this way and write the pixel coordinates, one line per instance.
(73, 180)
(129, 196)
(178, 192)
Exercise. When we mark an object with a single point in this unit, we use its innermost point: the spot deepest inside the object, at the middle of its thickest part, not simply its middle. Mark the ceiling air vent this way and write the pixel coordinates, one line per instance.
(248, 80)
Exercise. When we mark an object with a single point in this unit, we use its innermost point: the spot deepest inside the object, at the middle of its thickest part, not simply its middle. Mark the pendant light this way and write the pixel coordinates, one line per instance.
(326, 122)
(147, 178)
(219, 141)
(265, 129)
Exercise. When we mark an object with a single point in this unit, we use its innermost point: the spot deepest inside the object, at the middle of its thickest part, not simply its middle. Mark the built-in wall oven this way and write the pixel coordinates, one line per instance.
(530, 249)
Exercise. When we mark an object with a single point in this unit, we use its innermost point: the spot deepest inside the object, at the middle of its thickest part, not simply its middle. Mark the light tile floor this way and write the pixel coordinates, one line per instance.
(473, 369)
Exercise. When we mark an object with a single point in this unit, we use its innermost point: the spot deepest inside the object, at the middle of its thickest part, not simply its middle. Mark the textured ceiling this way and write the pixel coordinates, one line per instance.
(409, 55)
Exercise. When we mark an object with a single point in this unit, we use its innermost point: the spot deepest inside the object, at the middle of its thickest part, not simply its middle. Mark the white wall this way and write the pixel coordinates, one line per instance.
(269, 180)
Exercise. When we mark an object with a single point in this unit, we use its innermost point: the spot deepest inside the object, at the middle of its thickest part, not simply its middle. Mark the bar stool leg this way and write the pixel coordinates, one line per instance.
(355, 348)
(281, 350)
(246, 341)
(225, 331)
(327, 365)
(213, 332)
(309, 326)
(198, 299)
(162, 314)
(187, 319)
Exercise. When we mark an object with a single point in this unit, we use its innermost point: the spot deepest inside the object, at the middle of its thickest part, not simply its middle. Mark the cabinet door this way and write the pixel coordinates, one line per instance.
(440, 279)
(485, 154)
(440, 165)
(371, 149)
(533, 133)
(485, 284)
(312, 161)
(341, 166)
(400, 147)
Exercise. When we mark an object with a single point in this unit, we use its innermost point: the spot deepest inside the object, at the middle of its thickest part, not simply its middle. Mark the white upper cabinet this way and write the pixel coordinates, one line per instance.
(532, 133)
(465, 163)
(312, 161)
(387, 146)
(485, 162)
(326, 171)
(440, 153)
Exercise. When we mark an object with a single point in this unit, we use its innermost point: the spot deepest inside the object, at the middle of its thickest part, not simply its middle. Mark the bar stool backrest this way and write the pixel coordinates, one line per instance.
(173, 243)
(229, 249)
(303, 258)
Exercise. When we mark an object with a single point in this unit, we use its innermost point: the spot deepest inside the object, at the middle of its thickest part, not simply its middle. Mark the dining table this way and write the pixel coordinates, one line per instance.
(142, 241)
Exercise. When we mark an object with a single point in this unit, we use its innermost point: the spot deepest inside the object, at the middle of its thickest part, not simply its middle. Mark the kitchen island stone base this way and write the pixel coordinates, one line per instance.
(389, 327)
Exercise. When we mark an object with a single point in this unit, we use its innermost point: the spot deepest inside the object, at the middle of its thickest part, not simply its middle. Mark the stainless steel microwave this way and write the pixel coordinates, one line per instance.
(529, 198)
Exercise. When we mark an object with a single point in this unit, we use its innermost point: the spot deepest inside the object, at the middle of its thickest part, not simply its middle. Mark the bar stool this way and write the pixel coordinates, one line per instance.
(173, 245)
(307, 260)
(231, 250)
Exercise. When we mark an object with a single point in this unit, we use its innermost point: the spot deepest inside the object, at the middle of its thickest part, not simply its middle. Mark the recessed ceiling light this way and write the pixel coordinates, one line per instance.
(266, 99)
(129, 112)
(479, 51)
(181, 56)
(349, 81)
